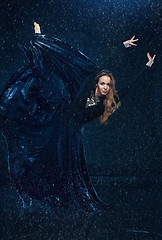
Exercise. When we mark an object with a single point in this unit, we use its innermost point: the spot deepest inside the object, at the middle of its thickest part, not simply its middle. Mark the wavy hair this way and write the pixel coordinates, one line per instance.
(111, 101)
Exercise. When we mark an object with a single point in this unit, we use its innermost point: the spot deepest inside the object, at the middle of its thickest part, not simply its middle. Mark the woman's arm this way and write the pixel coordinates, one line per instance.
(128, 43)
(54, 56)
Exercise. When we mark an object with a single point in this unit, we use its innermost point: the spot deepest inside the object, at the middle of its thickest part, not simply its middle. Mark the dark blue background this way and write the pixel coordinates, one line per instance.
(124, 155)
(130, 143)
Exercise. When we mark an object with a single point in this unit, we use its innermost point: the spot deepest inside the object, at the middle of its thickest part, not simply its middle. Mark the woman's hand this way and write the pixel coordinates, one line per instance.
(130, 43)
(151, 60)
(37, 28)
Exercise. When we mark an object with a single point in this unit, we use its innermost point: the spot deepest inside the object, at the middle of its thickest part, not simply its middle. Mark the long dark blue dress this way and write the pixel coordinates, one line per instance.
(44, 108)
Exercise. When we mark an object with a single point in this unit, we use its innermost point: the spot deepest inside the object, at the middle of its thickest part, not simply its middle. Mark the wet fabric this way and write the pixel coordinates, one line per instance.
(44, 113)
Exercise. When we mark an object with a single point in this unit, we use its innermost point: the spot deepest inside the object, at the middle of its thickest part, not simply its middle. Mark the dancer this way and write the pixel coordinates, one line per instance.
(46, 103)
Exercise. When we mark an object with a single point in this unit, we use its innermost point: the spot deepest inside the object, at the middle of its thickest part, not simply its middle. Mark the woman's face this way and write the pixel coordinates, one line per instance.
(103, 86)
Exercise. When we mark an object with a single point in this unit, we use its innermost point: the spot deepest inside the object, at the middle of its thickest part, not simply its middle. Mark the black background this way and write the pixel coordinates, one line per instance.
(130, 143)
(124, 156)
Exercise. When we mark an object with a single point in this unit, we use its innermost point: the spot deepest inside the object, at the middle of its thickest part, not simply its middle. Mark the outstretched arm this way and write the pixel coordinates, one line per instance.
(137, 78)
(127, 44)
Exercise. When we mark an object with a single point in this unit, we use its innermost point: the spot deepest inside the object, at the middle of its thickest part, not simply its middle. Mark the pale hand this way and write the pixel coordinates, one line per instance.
(37, 28)
(131, 42)
(151, 60)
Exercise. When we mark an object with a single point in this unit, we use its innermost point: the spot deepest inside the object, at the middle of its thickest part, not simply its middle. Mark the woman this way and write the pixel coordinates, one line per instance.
(46, 103)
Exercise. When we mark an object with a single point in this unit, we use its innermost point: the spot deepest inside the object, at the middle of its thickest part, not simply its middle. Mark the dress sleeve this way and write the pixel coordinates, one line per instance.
(136, 80)
(56, 57)
(53, 77)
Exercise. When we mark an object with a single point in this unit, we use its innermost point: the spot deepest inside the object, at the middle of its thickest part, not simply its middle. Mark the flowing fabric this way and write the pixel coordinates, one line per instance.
(43, 128)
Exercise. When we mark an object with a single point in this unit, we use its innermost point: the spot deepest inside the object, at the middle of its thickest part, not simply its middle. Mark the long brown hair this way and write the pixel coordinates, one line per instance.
(111, 101)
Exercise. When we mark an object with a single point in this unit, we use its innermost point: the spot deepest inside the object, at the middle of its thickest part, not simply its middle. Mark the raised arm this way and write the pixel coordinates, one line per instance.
(59, 58)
